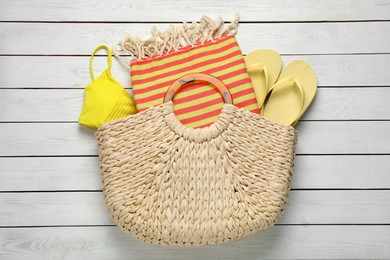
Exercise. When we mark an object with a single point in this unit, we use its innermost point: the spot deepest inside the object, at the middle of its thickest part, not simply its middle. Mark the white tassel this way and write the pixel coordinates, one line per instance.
(176, 37)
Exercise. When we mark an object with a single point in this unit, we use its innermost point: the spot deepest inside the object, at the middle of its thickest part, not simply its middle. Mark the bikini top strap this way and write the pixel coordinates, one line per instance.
(109, 58)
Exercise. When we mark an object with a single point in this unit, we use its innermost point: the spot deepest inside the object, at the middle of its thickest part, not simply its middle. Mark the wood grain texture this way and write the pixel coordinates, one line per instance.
(343, 137)
(26, 139)
(287, 38)
(82, 173)
(88, 208)
(49, 174)
(50, 105)
(350, 104)
(345, 42)
(279, 242)
(174, 10)
(73, 72)
(356, 171)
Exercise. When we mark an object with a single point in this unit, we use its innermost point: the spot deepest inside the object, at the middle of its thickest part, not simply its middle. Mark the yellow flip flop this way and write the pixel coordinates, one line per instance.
(263, 67)
(292, 94)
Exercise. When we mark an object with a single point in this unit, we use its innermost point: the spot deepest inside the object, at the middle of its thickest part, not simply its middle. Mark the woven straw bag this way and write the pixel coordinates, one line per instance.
(168, 184)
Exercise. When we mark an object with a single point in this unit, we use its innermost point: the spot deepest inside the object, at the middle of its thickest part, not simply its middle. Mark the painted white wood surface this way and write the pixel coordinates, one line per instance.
(82, 173)
(73, 72)
(88, 208)
(176, 10)
(286, 38)
(315, 137)
(37, 105)
(49, 173)
(279, 242)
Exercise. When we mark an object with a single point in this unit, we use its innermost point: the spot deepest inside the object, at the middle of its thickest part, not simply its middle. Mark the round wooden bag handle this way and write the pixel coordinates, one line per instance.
(189, 78)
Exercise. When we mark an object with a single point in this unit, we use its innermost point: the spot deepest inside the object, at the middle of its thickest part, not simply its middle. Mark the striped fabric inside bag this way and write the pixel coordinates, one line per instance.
(196, 105)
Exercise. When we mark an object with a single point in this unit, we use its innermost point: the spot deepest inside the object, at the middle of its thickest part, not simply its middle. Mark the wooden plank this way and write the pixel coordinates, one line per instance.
(268, 10)
(321, 170)
(337, 207)
(34, 105)
(69, 71)
(323, 137)
(88, 208)
(23, 139)
(58, 72)
(343, 137)
(49, 174)
(53, 208)
(350, 104)
(279, 242)
(287, 38)
(82, 173)
(362, 171)
(41, 105)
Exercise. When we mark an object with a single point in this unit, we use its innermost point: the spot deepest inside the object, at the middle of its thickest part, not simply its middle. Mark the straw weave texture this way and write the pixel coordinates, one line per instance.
(168, 184)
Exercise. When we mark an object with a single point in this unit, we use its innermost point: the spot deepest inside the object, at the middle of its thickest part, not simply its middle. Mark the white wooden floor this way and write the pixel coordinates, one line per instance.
(51, 204)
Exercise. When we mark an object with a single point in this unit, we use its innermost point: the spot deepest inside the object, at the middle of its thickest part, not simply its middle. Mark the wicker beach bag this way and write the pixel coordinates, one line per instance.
(168, 184)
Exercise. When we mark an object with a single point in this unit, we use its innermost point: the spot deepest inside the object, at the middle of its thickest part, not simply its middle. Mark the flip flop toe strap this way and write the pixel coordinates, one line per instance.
(288, 82)
(258, 68)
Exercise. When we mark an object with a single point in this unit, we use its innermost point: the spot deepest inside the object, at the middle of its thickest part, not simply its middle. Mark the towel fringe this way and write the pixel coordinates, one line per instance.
(174, 38)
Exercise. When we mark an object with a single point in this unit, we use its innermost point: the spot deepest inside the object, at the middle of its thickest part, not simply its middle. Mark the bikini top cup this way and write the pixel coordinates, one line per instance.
(104, 98)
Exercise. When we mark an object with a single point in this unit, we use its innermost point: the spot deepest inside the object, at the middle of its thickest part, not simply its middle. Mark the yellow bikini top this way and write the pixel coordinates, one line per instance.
(104, 98)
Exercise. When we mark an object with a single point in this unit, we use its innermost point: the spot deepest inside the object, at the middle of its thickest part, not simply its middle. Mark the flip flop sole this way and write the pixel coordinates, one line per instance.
(286, 104)
(259, 59)
(308, 80)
